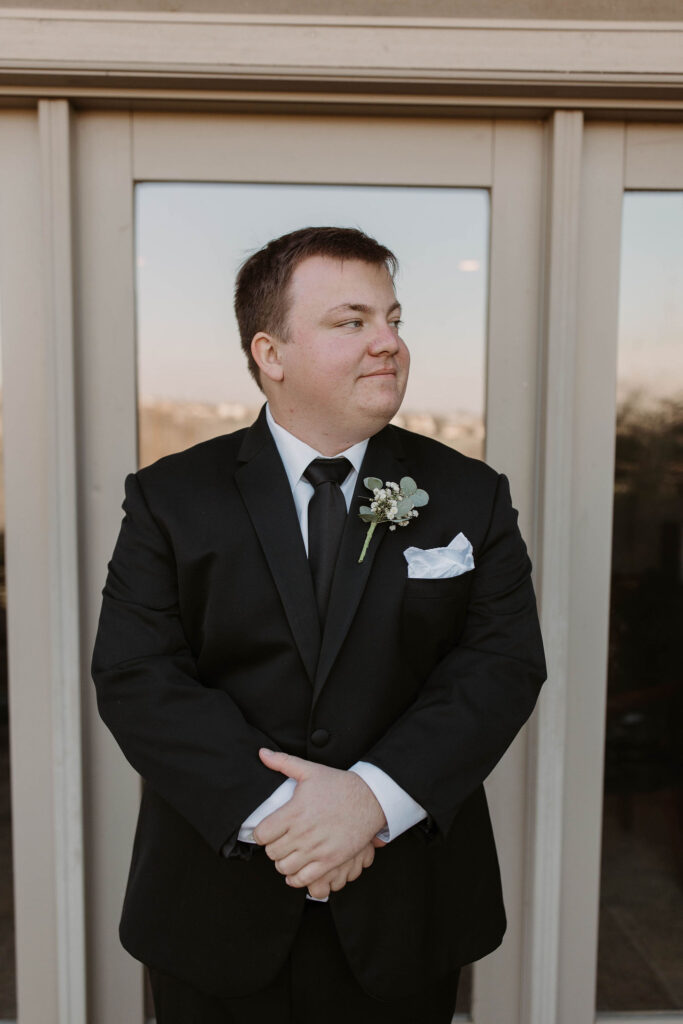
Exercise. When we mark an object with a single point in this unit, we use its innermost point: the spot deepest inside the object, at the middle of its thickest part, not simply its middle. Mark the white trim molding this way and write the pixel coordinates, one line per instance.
(42, 562)
(548, 727)
(55, 145)
(41, 48)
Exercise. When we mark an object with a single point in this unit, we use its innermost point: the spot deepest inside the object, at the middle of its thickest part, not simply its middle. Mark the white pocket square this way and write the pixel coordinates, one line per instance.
(440, 563)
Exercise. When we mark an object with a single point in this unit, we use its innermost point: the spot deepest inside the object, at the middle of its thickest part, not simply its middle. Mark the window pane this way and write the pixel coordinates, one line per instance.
(190, 240)
(192, 377)
(640, 965)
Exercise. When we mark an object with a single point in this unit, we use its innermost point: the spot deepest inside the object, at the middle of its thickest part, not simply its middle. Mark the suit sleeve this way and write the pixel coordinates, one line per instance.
(475, 700)
(189, 742)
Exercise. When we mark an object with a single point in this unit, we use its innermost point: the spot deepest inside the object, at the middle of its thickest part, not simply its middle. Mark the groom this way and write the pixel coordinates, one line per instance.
(313, 731)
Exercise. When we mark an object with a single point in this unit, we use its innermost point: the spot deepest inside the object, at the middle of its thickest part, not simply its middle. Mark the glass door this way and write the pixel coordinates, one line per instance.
(640, 960)
(169, 206)
(619, 910)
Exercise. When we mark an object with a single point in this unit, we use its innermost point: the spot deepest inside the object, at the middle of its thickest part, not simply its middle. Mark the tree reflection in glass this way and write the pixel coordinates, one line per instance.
(640, 965)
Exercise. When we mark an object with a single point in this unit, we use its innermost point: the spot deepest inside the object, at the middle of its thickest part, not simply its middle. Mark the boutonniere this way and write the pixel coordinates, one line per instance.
(392, 503)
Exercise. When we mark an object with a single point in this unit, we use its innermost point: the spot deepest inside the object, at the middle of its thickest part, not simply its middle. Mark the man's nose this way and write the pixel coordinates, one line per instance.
(384, 339)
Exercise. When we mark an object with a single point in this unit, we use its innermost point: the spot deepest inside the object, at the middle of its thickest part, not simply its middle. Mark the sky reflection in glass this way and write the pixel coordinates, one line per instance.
(191, 238)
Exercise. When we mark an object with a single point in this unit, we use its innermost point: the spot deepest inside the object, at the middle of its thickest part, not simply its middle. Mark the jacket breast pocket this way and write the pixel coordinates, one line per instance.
(432, 617)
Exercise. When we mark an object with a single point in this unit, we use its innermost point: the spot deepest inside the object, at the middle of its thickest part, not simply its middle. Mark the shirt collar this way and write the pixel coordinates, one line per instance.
(296, 454)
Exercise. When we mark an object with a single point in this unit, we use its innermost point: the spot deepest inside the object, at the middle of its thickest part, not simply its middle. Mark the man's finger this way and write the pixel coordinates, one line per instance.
(312, 872)
(287, 764)
(319, 889)
(354, 872)
(292, 864)
(281, 847)
(270, 830)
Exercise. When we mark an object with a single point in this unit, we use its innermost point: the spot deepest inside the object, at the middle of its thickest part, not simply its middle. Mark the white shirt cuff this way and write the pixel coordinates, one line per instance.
(400, 810)
(273, 803)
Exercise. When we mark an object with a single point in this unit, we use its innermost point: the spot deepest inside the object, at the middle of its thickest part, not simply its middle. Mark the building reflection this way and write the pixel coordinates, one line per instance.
(166, 426)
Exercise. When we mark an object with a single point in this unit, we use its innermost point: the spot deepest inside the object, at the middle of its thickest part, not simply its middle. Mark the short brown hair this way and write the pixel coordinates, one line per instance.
(261, 301)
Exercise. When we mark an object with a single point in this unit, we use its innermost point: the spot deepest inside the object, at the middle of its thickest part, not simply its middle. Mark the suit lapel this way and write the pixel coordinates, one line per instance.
(266, 493)
(383, 458)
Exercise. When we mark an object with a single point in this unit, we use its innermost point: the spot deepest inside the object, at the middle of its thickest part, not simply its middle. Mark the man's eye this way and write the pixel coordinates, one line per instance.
(352, 323)
(397, 323)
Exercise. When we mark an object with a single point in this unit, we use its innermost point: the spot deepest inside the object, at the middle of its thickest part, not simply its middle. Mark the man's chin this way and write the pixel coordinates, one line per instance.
(382, 412)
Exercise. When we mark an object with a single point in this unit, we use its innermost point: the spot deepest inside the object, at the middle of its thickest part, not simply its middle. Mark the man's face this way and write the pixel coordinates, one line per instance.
(345, 366)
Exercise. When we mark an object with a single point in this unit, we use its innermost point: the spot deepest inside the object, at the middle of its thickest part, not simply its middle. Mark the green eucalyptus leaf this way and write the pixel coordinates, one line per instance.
(371, 482)
(408, 485)
(404, 506)
(420, 498)
(365, 510)
(367, 517)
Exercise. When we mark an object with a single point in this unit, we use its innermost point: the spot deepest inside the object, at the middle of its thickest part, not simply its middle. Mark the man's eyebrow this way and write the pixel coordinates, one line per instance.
(360, 307)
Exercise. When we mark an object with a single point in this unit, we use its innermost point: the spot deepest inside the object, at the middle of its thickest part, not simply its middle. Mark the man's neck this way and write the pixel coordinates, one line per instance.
(323, 440)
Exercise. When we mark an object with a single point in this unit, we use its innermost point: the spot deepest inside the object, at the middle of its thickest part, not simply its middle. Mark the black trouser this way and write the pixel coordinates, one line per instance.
(315, 986)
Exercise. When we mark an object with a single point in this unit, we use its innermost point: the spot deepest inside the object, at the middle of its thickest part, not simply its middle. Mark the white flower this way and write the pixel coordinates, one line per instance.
(393, 503)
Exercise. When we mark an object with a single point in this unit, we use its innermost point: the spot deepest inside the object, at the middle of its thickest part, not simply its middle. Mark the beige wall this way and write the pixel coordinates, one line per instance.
(618, 10)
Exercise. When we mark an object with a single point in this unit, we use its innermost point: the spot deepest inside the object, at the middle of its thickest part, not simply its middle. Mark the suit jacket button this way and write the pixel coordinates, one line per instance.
(319, 737)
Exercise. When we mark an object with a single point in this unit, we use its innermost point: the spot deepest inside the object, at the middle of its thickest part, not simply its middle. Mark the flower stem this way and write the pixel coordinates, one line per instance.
(368, 537)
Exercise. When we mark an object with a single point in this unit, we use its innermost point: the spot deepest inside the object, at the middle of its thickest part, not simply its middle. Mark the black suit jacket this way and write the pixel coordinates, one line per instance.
(208, 647)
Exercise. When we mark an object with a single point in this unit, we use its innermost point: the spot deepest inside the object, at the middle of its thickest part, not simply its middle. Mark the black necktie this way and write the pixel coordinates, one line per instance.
(326, 517)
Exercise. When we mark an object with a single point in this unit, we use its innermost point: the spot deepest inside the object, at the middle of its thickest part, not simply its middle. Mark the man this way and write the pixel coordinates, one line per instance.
(314, 729)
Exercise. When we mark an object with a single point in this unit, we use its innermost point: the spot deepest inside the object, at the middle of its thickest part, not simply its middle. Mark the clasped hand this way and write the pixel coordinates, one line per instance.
(325, 835)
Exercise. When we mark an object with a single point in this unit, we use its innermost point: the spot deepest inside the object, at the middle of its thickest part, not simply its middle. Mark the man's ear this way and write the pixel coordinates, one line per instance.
(265, 348)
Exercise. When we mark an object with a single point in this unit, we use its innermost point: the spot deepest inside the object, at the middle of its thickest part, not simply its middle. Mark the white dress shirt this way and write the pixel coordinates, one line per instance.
(400, 810)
